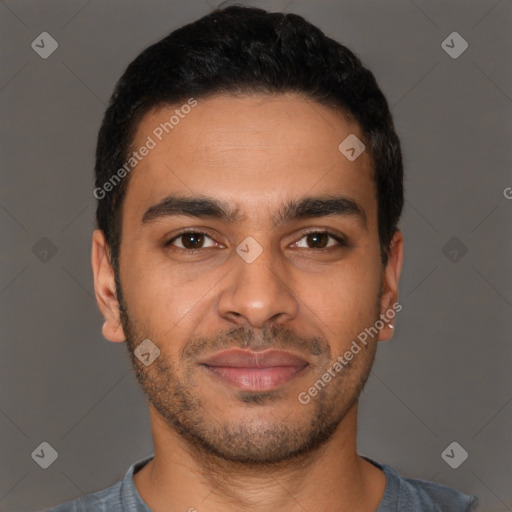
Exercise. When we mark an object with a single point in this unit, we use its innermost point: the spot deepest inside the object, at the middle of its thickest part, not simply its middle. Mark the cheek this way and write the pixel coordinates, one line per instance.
(167, 299)
(344, 300)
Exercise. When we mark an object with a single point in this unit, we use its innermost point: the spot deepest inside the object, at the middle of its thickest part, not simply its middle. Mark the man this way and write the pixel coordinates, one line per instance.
(249, 186)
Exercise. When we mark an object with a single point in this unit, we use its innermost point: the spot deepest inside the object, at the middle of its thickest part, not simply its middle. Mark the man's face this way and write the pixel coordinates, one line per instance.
(249, 313)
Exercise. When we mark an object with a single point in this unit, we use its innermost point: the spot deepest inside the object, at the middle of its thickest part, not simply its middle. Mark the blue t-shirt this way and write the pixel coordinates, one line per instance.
(401, 495)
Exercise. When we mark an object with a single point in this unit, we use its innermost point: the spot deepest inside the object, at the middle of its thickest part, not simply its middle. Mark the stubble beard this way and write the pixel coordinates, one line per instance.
(246, 442)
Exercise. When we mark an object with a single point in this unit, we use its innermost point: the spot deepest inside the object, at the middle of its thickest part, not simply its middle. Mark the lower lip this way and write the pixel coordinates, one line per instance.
(256, 379)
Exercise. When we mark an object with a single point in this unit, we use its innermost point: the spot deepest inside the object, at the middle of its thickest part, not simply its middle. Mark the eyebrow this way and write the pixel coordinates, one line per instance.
(209, 207)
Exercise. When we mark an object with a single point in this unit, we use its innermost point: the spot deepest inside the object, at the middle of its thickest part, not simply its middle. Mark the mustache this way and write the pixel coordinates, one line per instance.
(271, 336)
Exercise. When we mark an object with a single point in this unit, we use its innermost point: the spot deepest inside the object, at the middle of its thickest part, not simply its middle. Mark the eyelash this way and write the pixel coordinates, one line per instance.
(341, 241)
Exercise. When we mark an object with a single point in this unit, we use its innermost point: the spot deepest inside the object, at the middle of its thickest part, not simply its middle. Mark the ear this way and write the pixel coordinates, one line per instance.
(105, 288)
(389, 290)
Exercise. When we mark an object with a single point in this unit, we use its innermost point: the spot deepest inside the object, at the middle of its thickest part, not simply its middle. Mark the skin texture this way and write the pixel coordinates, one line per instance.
(218, 448)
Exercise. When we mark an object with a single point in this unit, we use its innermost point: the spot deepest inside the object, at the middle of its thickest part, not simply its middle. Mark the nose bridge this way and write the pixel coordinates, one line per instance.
(257, 290)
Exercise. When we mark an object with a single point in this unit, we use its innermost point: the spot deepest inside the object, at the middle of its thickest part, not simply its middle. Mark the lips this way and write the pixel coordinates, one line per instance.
(256, 371)
(249, 359)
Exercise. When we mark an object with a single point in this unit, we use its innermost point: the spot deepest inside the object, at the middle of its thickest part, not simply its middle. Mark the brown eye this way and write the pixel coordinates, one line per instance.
(320, 240)
(190, 240)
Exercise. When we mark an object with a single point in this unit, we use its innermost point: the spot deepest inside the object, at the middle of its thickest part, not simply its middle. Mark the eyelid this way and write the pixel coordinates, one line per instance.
(339, 238)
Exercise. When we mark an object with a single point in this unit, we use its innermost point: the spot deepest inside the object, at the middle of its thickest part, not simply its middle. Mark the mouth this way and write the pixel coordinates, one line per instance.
(255, 371)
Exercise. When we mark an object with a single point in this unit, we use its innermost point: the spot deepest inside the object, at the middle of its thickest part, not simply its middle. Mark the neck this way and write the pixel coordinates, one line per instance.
(333, 477)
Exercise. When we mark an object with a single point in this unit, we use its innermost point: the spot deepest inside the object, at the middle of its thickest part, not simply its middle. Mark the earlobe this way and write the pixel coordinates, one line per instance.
(105, 288)
(113, 332)
(389, 305)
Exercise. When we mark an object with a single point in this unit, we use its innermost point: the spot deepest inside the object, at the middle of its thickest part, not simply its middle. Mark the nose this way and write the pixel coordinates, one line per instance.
(257, 292)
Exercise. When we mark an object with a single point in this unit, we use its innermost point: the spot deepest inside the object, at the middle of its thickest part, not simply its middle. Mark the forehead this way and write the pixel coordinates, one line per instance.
(247, 149)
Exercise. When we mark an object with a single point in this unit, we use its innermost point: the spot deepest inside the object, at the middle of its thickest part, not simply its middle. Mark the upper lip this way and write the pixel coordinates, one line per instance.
(247, 359)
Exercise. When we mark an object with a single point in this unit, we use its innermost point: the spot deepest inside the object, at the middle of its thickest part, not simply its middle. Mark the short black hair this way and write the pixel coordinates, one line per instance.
(244, 50)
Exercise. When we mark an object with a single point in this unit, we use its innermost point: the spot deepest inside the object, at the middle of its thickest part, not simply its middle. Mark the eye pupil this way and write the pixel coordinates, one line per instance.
(196, 239)
(323, 237)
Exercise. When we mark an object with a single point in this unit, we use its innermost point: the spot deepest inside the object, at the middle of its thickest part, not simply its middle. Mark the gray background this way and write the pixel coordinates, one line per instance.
(445, 376)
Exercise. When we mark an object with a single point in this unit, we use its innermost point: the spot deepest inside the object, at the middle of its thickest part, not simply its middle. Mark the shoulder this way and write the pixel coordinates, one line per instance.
(430, 496)
(405, 494)
(105, 500)
(120, 497)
